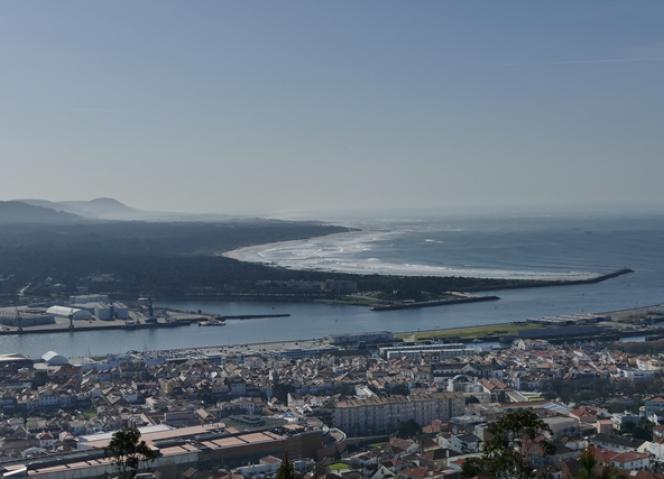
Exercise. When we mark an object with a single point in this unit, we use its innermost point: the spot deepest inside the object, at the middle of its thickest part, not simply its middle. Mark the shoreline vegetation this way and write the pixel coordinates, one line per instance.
(378, 301)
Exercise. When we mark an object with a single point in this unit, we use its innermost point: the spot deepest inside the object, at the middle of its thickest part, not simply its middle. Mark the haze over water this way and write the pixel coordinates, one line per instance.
(544, 246)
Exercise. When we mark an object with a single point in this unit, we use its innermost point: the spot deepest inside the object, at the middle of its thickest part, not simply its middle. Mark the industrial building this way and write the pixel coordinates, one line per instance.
(76, 314)
(52, 358)
(15, 361)
(24, 317)
(104, 311)
(89, 298)
(209, 445)
(440, 350)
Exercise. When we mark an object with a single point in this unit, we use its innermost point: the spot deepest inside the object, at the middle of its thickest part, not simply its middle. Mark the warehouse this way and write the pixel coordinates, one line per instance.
(25, 317)
(66, 312)
(52, 358)
(204, 447)
(15, 361)
(105, 311)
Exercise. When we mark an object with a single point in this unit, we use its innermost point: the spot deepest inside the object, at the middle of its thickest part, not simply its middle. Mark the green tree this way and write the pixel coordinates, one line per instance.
(610, 472)
(128, 451)
(588, 463)
(510, 442)
(640, 430)
(286, 470)
(320, 469)
(408, 429)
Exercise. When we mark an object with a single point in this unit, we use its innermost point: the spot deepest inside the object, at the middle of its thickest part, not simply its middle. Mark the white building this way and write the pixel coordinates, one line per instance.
(105, 311)
(654, 448)
(631, 461)
(65, 312)
(54, 359)
(464, 443)
(430, 353)
(442, 350)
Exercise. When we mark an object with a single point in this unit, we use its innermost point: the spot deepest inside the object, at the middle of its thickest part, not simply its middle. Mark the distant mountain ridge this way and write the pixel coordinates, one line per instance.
(15, 212)
(99, 209)
(96, 209)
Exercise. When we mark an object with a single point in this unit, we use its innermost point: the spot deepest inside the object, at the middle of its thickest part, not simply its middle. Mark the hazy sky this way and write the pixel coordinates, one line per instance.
(270, 106)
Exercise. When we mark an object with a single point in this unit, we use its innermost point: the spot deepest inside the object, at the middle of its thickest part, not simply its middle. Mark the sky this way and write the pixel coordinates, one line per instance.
(282, 106)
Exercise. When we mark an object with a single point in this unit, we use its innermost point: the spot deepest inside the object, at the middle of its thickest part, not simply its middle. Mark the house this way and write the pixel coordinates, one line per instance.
(631, 461)
(628, 460)
(383, 473)
(562, 426)
(615, 443)
(604, 426)
(414, 473)
(585, 414)
(464, 443)
(495, 387)
(655, 448)
(407, 446)
(47, 440)
(654, 405)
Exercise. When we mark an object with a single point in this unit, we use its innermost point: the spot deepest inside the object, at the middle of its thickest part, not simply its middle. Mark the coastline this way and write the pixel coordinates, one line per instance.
(237, 253)
(255, 254)
(505, 282)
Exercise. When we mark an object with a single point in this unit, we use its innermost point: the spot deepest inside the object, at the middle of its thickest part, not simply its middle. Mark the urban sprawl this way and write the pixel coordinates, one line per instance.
(369, 405)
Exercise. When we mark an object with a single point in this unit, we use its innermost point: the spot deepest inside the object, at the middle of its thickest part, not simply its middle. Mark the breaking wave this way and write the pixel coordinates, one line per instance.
(359, 252)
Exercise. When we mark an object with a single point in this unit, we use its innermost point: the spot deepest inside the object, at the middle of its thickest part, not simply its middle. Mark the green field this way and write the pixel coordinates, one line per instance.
(469, 332)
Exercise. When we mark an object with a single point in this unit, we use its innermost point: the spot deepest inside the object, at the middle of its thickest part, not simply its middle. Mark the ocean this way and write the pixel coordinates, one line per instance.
(546, 247)
(551, 246)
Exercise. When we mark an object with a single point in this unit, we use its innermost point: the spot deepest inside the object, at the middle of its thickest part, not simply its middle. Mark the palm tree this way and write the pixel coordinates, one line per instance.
(588, 463)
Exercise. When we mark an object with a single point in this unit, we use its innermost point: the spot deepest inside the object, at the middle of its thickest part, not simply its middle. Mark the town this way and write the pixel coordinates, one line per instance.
(352, 405)
(331, 240)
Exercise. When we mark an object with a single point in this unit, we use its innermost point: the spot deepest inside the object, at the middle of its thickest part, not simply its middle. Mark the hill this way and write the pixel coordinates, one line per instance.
(103, 209)
(96, 209)
(17, 212)
(110, 209)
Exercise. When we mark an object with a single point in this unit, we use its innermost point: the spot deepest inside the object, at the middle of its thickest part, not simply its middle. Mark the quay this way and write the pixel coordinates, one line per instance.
(170, 318)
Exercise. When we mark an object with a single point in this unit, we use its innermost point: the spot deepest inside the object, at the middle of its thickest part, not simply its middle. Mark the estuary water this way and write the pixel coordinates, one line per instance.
(505, 247)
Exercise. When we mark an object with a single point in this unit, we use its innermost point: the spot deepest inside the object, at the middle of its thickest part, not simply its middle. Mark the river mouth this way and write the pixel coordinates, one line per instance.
(570, 246)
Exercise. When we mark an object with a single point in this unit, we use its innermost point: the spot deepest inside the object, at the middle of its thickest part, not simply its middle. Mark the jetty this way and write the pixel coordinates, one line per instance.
(428, 304)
